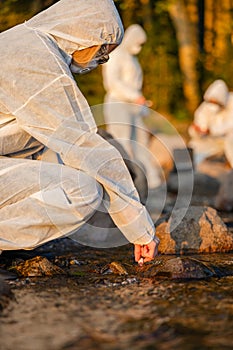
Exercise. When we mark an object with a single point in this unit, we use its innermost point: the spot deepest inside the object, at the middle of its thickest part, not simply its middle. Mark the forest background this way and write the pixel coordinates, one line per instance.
(190, 44)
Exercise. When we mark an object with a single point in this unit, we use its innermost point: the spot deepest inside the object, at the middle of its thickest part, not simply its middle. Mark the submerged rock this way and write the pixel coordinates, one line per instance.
(194, 230)
(38, 266)
(184, 268)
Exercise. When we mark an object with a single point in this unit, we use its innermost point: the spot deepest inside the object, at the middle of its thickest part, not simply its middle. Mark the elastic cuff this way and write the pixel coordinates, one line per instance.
(145, 239)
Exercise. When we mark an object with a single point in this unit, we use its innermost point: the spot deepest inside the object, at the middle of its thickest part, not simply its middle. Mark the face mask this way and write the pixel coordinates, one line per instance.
(101, 57)
(77, 69)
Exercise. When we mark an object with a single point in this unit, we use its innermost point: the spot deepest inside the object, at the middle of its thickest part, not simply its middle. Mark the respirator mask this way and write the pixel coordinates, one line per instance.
(81, 64)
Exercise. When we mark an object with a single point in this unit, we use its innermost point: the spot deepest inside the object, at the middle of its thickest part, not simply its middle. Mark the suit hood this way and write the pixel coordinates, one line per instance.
(78, 24)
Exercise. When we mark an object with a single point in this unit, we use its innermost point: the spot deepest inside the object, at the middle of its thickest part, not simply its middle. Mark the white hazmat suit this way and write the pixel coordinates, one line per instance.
(123, 80)
(212, 130)
(41, 108)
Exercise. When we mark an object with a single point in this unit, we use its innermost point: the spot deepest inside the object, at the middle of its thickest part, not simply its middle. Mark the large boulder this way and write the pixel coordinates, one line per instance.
(196, 230)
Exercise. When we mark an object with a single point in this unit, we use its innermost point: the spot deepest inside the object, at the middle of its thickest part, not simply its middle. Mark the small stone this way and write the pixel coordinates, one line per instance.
(114, 267)
(75, 262)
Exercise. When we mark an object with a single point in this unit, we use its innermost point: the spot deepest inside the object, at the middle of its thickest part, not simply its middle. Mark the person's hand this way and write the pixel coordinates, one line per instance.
(199, 130)
(144, 253)
(140, 100)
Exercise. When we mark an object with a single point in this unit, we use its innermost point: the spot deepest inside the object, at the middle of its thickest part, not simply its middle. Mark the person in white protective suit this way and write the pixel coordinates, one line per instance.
(125, 106)
(42, 112)
(212, 129)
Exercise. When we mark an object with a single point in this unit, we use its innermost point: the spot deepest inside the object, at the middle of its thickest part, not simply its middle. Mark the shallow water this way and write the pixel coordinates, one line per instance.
(93, 309)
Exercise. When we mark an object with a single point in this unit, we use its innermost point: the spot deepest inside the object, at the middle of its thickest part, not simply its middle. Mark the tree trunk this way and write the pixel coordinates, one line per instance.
(188, 52)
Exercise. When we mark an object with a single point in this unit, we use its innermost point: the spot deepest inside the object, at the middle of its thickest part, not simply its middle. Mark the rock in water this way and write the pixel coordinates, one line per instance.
(38, 266)
(5, 294)
(184, 268)
(194, 230)
(114, 267)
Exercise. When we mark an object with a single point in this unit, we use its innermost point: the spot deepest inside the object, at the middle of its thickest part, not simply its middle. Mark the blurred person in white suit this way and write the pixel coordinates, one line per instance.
(125, 106)
(212, 129)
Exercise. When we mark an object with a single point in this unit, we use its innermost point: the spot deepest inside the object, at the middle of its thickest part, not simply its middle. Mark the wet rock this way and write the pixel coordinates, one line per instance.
(224, 198)
(38, 266)
(67, 261)
(194, 230)
(5, 294)
(114, 267)
(188, 267)
(183, 268)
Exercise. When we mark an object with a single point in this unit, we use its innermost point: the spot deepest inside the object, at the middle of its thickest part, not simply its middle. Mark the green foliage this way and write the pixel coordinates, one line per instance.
(162, 77)
(17, 11)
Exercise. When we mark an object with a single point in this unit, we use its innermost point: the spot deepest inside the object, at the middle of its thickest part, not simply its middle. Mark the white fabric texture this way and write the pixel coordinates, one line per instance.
(41, 105)
(122, 74)
(123, 80)
(223, 122)
(217, 92)
(215, 117)
(204, 115)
